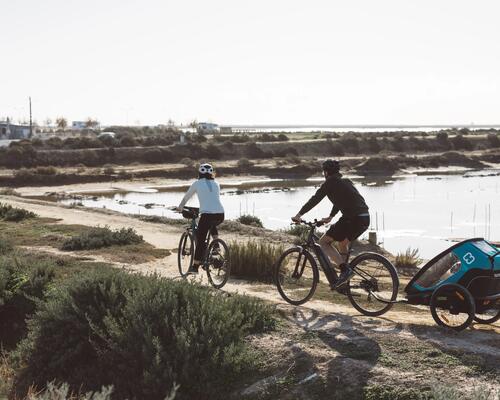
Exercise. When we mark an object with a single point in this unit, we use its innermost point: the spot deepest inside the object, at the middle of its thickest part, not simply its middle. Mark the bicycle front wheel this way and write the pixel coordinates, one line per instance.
(375, 283)
(185, 253)
(218, 263)
(296, 276)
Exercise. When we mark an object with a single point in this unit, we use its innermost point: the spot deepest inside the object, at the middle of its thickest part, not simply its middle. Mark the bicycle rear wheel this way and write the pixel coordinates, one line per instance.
(296, 276)
(375, 279)
(185, 253)
(218, 263)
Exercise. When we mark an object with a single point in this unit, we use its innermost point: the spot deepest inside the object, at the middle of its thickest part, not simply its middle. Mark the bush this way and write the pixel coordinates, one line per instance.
(409, 260)
(46, 171)
(442, 139)
(14, 214)
(494, 140)
(350, 143)
(97, 237)
(374, 145)
(213, 152)
(108, 169)
(335, 148)
(22, 285)
(301, 231)
(254, 151)
(247, 219)
(254, 259)
(461, 143)
(141, 335)
(244, 163)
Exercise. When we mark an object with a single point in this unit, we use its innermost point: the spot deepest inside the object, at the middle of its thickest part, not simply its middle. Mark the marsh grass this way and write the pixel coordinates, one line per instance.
(254, 259)
(408, 261)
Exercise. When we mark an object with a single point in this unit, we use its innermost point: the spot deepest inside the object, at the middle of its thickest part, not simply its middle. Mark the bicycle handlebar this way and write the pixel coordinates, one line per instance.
(314, 223)
(174, 208)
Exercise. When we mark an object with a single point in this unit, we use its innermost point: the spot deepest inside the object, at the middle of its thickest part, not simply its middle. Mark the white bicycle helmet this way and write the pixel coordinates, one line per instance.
(206, 169)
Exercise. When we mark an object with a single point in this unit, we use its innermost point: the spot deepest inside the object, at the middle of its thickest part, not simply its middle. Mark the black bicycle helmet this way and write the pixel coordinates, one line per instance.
(331, 166)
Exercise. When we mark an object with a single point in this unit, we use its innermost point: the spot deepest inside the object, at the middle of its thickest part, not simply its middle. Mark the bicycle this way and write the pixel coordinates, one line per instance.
(216, 258)
(372, 289)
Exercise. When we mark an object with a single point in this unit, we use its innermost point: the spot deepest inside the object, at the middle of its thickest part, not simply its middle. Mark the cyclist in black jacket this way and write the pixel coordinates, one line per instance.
(354, 221)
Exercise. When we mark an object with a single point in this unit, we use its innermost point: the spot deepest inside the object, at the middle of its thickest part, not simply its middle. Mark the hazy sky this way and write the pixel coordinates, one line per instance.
(252, 62)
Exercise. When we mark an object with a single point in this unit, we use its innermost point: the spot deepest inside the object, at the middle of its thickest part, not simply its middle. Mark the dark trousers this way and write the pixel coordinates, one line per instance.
(208, 222)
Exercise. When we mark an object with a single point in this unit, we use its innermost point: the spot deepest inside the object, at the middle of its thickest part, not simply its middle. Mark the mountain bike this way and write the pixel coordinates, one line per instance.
(216, 258)
(371, 290)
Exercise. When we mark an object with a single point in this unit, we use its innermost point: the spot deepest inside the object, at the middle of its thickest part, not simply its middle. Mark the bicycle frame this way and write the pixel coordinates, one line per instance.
(312, 244)
(192, 229)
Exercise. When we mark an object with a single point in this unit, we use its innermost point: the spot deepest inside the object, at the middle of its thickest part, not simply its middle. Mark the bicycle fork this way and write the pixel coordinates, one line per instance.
(299, 269)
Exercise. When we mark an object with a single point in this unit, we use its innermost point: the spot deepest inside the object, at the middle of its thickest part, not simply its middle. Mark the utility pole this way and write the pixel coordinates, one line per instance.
(31, 122)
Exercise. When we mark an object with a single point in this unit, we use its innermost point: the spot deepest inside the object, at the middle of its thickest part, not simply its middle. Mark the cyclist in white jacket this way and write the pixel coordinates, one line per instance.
(211, 210)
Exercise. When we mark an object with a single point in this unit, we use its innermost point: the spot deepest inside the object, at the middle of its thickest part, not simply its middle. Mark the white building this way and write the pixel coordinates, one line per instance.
(13, 131)
(207, 127)
(78, 125)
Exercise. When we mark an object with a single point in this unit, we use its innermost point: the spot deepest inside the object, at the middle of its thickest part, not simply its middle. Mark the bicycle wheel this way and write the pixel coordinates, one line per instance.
(218, 263)
(374, 279)
(452, 306)
(296, 275)
(487, 316)
(185, 253)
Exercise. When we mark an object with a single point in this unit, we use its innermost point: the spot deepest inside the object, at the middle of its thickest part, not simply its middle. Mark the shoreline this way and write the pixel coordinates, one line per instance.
(248, 181)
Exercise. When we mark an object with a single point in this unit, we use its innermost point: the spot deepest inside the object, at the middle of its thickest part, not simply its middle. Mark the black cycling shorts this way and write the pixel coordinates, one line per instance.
(348, 228)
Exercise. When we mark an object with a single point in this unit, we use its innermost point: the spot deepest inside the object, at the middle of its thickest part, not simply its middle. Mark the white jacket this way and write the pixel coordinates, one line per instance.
(208, 192)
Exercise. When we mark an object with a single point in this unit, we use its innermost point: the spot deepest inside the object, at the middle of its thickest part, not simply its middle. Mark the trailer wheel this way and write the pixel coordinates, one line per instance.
(452, 306)
(487, 317)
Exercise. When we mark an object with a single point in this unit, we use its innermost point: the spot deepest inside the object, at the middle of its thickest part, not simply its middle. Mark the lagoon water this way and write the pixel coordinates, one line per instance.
(423, 212)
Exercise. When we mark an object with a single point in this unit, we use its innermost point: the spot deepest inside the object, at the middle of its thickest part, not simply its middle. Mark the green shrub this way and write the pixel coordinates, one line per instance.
(141, 334)
(408, 260)
(301, 231)
(247, 219)
(97, 237)
(14, 214)
(254, 259)
(22, 286)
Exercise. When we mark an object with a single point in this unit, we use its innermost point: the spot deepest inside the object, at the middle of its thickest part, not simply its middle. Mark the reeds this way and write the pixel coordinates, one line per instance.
(254, 259)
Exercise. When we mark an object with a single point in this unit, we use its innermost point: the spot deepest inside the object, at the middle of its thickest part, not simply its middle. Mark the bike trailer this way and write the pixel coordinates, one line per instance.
(473, 264)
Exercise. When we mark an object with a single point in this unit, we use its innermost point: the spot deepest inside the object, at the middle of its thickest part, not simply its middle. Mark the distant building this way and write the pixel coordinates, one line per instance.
(13, 131)
(207, 127)
(78, 125)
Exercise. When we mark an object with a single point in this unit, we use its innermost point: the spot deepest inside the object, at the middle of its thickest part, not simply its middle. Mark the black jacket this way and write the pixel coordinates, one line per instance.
(342, 193)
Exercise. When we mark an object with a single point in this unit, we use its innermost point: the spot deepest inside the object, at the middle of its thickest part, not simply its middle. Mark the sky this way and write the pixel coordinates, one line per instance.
(252, 62)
